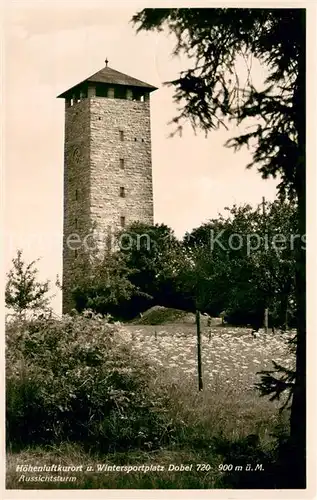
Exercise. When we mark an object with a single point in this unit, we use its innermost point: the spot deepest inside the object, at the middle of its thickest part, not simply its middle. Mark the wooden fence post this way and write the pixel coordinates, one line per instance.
(199, 366)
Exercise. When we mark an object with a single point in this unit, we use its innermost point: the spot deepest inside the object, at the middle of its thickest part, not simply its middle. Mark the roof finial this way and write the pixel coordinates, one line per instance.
(106, 61)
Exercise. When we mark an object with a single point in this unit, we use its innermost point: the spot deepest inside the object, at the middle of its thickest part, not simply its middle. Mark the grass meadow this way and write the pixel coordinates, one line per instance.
(221, 431)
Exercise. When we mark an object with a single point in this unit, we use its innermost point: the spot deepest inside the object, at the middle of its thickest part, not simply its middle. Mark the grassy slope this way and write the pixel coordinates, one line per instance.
(226, 412)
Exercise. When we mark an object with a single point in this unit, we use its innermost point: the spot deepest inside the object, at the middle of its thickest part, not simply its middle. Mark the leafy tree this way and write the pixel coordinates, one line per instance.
(23, 293)
(105, 287)
(275, 268)
(210, 95)
(244, 270)
(155, 258)
(142, 272)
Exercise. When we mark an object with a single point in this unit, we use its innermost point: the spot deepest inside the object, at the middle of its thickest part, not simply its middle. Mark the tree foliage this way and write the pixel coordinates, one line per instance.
(139, 273)
(210, 93)
(155, 258)
(105, 286)
(247, 261)
(23, 292)
(207, 270)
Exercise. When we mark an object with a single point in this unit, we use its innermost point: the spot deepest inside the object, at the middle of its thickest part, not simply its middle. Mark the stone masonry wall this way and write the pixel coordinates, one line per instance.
(94, 174)
(109, 119)
(76, 191)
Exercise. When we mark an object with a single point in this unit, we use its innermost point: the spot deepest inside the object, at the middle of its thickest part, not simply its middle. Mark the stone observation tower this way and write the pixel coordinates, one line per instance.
(107, 162)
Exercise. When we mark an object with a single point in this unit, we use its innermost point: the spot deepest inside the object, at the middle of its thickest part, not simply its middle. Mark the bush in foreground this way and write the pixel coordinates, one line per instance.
(76, 379)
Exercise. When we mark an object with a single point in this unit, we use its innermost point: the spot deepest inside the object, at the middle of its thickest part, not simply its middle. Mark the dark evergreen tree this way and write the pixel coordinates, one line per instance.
(209, 94)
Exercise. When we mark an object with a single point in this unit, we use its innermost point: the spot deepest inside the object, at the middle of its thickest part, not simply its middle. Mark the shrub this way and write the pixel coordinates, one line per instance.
(76, 379)
(158, 315)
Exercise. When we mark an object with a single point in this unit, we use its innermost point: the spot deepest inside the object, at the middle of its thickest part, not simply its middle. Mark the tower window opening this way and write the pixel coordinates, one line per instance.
(122, 221)
(121, 135)
(122, 192)
(76, 195)
(76, 223)
(135, 139)
(101, 90)
(122, 163)
(76, 253)
(120, 92)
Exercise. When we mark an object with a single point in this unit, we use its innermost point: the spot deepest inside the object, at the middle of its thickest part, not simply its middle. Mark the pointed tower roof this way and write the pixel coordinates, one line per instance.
(114, 77)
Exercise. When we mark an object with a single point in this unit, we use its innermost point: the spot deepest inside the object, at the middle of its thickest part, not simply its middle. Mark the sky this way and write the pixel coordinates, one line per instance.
(48, 49)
